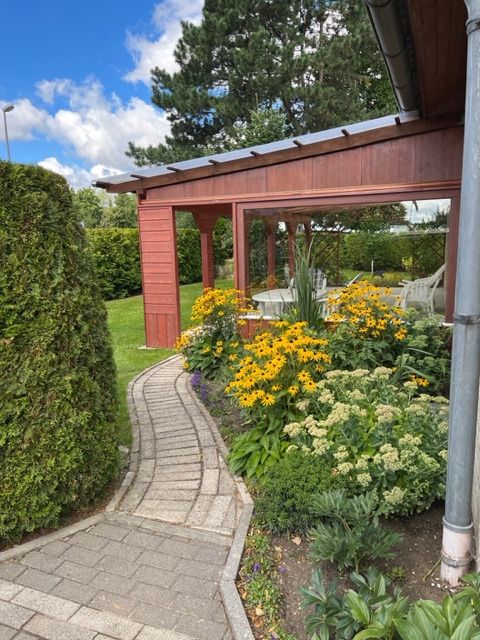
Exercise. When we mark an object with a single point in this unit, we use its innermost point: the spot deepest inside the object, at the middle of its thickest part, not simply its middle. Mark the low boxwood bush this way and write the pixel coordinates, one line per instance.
(116, 256)
(58, 445)
(285, 495)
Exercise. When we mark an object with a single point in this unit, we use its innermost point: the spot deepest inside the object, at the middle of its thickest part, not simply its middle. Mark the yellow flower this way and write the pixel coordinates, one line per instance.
(309, 386)
(268, 399)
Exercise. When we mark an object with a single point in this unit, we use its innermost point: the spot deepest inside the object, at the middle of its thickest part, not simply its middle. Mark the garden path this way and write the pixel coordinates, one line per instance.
(149, 567)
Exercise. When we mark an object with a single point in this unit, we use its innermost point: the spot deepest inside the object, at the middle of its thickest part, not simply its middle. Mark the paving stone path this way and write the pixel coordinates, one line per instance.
(149, 569)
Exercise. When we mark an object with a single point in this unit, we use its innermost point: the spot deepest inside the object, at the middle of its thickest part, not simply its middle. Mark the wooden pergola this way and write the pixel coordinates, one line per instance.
(414, 155)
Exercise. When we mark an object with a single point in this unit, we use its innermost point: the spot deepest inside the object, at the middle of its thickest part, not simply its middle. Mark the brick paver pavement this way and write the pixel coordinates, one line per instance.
(149, 570)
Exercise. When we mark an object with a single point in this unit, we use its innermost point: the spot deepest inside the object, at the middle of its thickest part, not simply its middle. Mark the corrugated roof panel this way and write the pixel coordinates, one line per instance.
(262, 149)
(119, 178)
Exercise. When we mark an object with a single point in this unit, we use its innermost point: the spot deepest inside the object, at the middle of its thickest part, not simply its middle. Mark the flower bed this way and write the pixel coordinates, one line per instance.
(374, 436)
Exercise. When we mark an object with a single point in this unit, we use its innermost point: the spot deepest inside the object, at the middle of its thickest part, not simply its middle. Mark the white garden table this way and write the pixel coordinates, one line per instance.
(274, 301)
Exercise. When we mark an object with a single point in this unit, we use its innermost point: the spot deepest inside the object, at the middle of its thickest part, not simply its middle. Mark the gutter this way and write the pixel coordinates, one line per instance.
(392, 30)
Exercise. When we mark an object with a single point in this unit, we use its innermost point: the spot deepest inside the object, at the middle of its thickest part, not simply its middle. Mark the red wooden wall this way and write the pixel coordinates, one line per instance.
(158, 254)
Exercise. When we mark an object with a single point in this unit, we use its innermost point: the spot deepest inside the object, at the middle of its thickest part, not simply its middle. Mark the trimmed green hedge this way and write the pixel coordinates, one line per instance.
(189, 256)
(58, 445)
(116, 256)
(115, 253)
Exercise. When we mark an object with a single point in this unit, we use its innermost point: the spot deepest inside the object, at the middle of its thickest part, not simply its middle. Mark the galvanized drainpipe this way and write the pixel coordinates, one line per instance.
(457, 522)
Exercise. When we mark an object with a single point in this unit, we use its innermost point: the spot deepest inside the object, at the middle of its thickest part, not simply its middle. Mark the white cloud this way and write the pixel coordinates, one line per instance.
(25, 120)
(148, 53)
(75, 175)
(96, 127)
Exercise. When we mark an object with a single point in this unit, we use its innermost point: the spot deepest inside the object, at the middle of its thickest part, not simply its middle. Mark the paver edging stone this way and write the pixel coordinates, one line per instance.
(232, 602)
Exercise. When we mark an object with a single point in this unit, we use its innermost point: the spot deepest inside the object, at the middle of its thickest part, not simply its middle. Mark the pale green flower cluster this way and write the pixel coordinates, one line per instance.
(386, 413)
(377, 437)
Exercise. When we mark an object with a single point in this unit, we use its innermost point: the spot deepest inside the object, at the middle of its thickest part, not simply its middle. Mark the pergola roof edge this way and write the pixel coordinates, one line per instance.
(323, 142)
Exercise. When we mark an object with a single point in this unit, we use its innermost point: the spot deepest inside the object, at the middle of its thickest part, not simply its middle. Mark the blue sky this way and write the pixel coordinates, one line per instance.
(78, 76)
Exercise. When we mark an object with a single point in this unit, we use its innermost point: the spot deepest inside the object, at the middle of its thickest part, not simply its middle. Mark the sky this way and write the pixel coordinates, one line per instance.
(78, 75)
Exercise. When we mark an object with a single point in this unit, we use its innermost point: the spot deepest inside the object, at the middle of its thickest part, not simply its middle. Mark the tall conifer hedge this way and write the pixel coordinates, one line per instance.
(58, 446)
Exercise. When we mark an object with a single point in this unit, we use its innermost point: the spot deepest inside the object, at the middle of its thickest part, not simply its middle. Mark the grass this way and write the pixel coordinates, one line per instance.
(125, 319)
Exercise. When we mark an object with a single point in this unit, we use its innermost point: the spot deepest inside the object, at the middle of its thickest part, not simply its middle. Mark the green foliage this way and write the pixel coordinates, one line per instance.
(58, 446)
(264, 125)
(256, 451)
(284, 496)
(368, 611)
(189, 255)
(239, 61)
(305, 307)
(115, 253)
(350, 532)
(344, 616)
(122, 213)
(378, 436)
(222, 241)
(88, 206)
(427, 348)
(387, 250)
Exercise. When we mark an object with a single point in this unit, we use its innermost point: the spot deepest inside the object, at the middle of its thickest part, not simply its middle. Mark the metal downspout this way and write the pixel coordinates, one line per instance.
(457, 522)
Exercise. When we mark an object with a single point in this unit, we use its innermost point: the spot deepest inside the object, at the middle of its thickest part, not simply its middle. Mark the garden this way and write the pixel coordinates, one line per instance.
(339, 428)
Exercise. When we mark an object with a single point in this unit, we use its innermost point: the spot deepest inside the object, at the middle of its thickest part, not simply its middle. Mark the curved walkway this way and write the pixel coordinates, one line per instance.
(156, 563)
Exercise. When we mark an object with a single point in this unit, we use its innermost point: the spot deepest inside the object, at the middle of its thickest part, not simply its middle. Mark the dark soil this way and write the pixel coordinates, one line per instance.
(417, 560)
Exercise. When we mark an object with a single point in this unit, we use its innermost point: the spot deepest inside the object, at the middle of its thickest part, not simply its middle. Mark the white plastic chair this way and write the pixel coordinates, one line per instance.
(421, 292)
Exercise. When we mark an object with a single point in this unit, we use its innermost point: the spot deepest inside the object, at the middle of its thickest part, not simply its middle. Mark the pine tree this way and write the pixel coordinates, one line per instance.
(315, 61)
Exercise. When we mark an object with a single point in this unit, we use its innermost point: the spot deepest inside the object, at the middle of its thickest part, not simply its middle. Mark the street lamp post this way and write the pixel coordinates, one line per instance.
(6, 109)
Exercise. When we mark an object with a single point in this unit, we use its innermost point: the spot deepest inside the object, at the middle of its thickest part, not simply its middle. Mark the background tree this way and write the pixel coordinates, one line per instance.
(88, 206)
(122, 213)
(315, 61)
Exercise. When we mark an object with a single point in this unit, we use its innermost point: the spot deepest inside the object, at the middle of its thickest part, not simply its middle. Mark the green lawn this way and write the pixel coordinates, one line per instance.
(125, 319)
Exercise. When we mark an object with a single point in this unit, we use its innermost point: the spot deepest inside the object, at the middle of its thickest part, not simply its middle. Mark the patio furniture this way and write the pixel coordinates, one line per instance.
(274, 301)
(420, 292)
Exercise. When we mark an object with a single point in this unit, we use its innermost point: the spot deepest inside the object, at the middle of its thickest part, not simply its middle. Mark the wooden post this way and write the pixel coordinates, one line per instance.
(206, 223)
(292, 231)
(241, 252)
(271, 226)
(158, 252)
(451, 258)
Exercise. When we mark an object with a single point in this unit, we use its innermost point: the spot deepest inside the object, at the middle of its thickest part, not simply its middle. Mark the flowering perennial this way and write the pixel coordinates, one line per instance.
(361, 307)
(214, 343)
(378, 436)
(280, 366)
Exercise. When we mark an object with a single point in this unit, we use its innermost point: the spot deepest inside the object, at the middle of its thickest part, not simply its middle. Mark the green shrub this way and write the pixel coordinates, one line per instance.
(385, 249)
(58, 446)
(286, 493)
(116, 257)
(427, 348)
